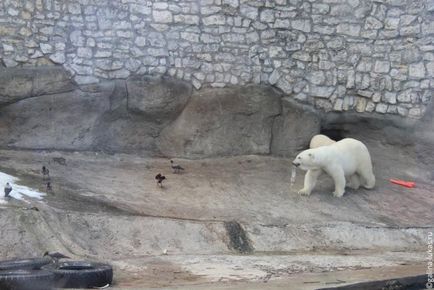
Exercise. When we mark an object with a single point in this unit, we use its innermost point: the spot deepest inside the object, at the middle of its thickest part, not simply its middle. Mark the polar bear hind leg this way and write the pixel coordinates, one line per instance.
(353, 181)
(367, 177)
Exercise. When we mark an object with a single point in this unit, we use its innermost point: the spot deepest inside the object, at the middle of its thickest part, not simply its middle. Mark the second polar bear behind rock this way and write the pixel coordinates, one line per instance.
(348, 159)
(320, 140)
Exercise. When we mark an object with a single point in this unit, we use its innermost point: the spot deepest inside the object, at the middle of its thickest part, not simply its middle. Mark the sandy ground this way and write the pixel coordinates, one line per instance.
(108, 208)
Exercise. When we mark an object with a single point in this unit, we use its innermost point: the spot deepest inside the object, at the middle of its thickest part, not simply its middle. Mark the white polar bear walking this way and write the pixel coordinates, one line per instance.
(341, 160)
(322, 140)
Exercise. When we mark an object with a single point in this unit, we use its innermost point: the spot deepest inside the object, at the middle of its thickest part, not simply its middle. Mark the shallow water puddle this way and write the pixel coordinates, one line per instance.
(19, 192)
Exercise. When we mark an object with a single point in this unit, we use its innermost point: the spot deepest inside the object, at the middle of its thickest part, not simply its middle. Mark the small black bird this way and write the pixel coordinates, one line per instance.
(56, 256)
(160, 179)
(49, 188)
(8, 189)
(45, 173)
(175, 167)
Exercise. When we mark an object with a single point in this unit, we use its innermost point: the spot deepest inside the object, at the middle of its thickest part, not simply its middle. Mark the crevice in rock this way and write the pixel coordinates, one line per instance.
(334, 133)
(127, 96)
(273, 120)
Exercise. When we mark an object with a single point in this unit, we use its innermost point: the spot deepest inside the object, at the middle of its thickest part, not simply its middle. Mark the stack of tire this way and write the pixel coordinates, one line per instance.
(42, 274)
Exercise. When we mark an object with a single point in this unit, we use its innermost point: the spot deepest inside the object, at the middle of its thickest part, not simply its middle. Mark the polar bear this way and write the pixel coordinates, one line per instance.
(340, 160)
(322, 140)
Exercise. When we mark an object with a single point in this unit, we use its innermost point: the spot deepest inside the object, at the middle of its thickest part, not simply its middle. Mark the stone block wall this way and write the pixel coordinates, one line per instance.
(338, 55)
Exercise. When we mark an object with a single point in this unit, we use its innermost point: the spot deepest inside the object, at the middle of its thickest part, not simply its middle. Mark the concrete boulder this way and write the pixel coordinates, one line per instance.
(58, 121)
(21, 83)
(157, 99)
(92, 118)
(294, 128)
(223, 122)
(41, 108)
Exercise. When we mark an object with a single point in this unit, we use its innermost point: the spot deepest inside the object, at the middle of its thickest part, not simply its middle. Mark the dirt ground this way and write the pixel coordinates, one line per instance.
(227, 223)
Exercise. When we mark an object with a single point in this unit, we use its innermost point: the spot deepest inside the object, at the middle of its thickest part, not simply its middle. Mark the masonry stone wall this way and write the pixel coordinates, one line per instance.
(361, 55)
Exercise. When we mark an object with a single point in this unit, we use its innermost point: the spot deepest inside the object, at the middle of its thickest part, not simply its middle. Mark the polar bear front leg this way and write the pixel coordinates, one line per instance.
(310, 181)
(337, 173)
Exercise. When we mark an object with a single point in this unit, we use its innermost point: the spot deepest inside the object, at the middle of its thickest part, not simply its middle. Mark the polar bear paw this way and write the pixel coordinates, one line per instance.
(338, 193)
(304, 192)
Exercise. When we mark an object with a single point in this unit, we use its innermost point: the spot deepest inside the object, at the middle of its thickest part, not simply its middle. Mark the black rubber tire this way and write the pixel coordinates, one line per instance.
(81, 274)
(26, 280)
(29, 264)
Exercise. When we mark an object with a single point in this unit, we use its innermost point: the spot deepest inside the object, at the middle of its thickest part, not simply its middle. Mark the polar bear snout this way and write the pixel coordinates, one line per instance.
(297, 161)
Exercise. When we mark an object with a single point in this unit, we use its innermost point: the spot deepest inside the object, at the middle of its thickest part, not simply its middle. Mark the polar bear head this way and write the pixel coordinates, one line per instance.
(306, 160)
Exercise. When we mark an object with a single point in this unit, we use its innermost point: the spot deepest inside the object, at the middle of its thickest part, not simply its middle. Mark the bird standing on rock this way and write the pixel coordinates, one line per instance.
(160, 179)
(8, 189)
(45, 173)
(56, 256)
(175, 167)
(49, 188)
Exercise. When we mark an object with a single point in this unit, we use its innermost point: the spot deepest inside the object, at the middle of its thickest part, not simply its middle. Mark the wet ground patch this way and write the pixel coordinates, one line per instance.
(238, 239)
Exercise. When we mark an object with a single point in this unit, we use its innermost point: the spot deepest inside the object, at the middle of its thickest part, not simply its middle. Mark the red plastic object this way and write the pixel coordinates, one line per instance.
(409, 184)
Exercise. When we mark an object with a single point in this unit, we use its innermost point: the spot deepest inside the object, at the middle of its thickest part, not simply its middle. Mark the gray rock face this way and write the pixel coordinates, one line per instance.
(15, 86)
(60, 121)
(51, 80)
(157, 99)
(294, 128)
(116, 129)
(229, 121)
(41, 108)
(19, 83)
(93, 118)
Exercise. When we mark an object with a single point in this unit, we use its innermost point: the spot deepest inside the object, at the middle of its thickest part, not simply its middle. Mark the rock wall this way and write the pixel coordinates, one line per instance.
(42, 108)
(338, 55)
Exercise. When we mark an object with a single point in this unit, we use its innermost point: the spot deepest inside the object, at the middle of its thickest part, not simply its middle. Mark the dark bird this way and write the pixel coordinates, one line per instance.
(49, 188)
(31, 208)
(160, 179)
(8, 189)
(56, 256)
(45, 172)
(175, 167)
